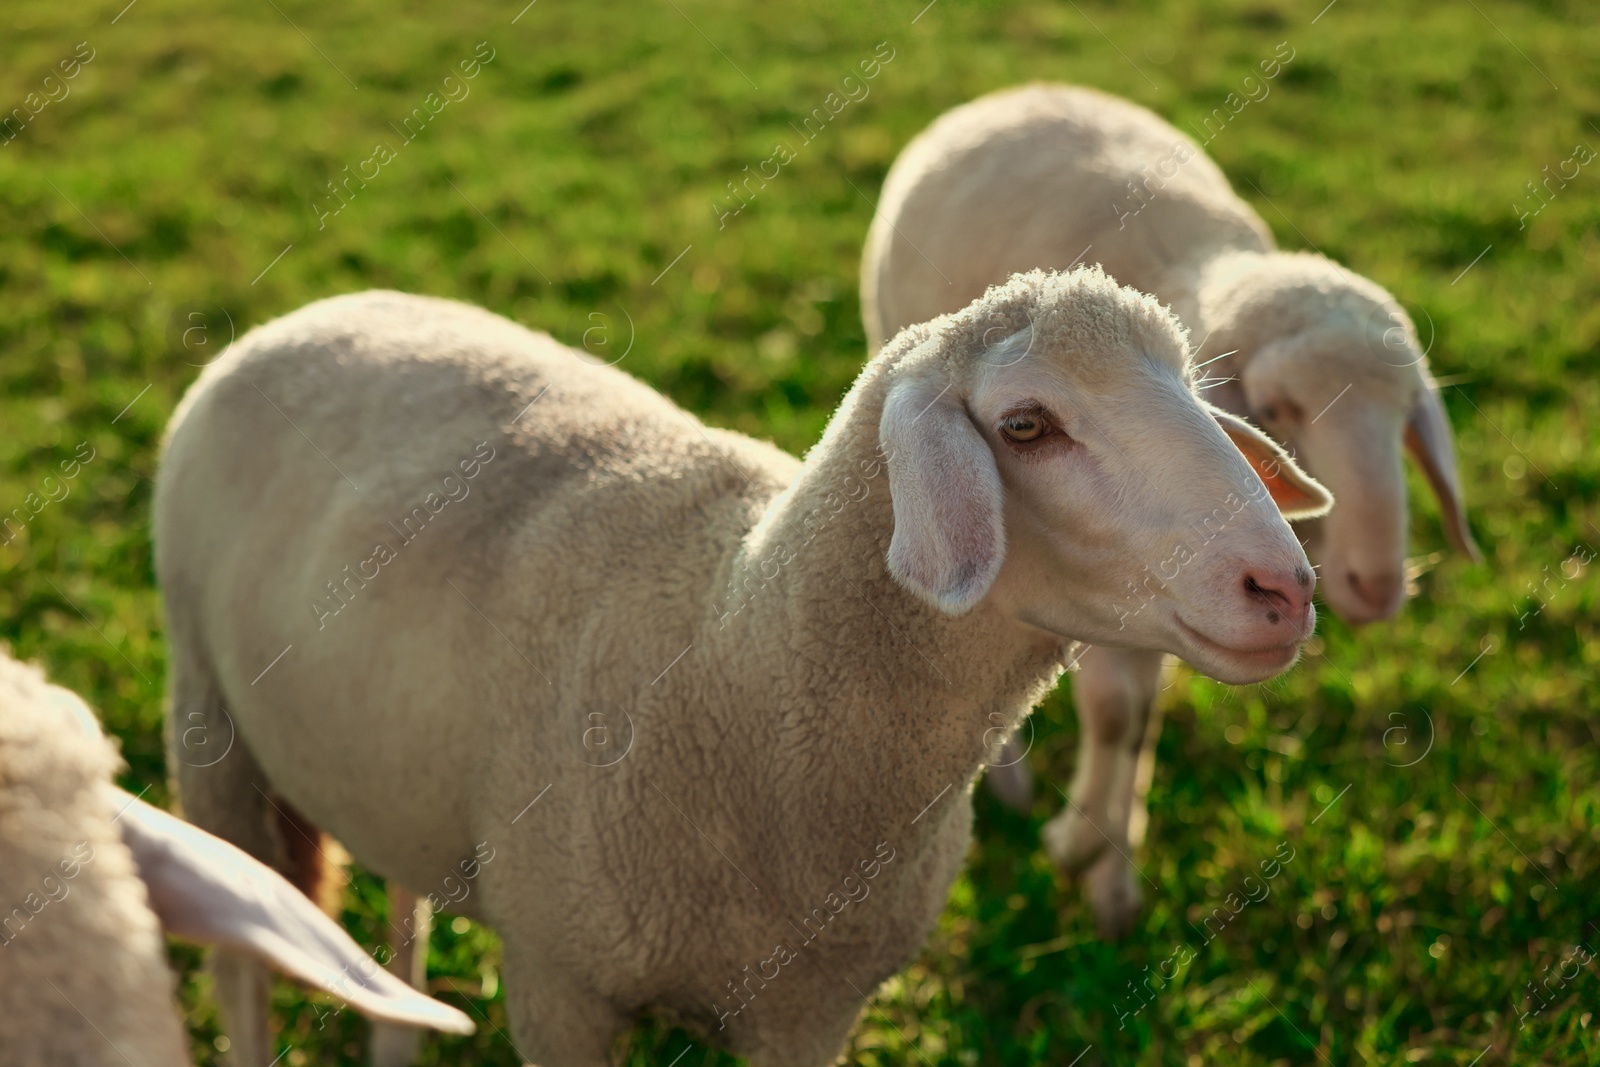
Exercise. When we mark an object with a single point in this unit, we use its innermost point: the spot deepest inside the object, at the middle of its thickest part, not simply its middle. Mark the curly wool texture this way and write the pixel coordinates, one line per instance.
(83, 973)
(1249, 300)
(1082, 315)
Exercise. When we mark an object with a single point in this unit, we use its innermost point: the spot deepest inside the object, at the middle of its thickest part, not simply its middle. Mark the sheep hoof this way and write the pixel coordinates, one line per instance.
(1114, 896)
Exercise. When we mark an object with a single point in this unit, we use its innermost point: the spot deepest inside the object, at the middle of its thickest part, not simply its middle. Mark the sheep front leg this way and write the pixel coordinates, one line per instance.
(1008, 778)
(557, 1019)
(410, 922)
(223, 790)
(1114, 691)
(242, 988)
(1113, 884)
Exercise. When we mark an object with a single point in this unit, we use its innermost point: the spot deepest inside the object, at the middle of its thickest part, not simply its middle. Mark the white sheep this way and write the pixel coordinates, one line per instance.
(419, 553)
(90, 876)
(1050, 175)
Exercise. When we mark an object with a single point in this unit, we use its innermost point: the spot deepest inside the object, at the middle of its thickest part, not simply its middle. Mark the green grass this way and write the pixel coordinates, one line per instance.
(139, 216)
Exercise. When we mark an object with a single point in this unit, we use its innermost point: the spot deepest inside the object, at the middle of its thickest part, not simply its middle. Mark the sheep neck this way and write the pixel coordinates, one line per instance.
(911, 698)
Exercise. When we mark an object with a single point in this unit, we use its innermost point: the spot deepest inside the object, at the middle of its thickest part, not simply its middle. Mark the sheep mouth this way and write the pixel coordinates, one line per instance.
(1363, 617)
(1357, 614)
(1231, 664)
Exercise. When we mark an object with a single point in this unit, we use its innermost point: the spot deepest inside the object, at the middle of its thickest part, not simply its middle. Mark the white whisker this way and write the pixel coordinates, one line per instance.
(1213, 359)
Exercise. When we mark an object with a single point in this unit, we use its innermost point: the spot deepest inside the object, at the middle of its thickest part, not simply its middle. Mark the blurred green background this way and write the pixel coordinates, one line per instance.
(166, 200)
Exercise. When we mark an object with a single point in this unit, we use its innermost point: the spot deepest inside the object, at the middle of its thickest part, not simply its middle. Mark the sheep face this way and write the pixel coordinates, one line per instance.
(1348, 396)
(1075, 481)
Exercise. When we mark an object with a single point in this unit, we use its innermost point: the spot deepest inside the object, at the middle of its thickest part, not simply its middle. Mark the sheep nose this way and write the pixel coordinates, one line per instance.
(1287, 594)
(1379, 590)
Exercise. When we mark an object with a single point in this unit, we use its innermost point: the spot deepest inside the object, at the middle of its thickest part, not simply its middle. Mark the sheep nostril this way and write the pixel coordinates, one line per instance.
(1260, 592)
(1284, 595)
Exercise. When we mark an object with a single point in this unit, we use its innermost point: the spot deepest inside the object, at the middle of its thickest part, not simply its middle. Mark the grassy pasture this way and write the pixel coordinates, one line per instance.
(1434, 778)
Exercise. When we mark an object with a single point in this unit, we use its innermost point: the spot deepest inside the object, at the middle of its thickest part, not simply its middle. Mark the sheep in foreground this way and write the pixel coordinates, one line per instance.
(421, 554)
(1328, 362)
(89, 878)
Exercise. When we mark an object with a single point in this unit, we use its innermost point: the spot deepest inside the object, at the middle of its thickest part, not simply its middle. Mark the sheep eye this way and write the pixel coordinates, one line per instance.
(1023, 426)
(1279, 411)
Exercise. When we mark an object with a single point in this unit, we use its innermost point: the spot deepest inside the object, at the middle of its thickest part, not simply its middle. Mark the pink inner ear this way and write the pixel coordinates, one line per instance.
(204, 889)
(1286, 494)
(1296, 495)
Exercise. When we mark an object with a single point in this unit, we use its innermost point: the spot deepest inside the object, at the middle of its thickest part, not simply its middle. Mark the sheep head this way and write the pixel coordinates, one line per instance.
(1050, 456)
(1339, 376)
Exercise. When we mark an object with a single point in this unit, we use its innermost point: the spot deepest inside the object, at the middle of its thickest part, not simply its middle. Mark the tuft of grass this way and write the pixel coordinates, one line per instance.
(1433, 778)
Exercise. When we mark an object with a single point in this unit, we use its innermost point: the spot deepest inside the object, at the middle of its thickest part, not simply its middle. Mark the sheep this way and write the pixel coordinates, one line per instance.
(90, 876)
(420, 554)
(1326, 361)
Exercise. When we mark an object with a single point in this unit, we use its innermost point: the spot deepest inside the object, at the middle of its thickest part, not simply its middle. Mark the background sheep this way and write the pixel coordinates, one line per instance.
(90, 876)
(1047, 176)
(809, 654)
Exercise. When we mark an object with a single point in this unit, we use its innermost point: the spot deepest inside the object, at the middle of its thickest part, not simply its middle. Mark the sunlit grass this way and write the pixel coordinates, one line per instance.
(171, 199)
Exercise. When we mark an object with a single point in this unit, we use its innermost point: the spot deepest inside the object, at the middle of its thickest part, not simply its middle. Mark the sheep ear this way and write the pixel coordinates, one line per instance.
(204, 889)
(949, 531)
(1297, 494)
(1428, 442)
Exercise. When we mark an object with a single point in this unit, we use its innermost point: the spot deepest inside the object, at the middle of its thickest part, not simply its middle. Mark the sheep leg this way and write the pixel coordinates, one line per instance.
(1008, 777)
(1114, 690)
(243, 986)
(223, 790)
(1138, 810)
(1113, 882)
(410, 922)
(556, 1019)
